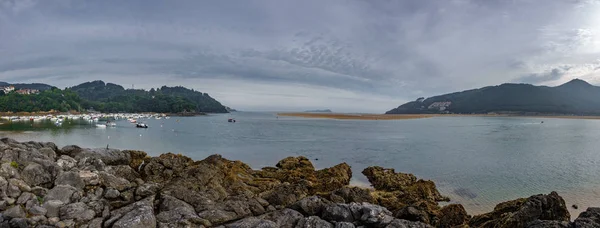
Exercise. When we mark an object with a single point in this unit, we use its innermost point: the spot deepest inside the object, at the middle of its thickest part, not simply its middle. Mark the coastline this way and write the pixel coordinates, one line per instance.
(418, 116)
(73, 187)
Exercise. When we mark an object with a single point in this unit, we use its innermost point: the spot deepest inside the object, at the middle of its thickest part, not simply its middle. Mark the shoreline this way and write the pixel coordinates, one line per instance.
(111, 187)
(417, 116)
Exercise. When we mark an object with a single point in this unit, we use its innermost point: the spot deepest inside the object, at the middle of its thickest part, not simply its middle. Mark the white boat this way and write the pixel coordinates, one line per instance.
(111, 124)
(158, 117)
(101, 125)
(167, 117)
(132, 121)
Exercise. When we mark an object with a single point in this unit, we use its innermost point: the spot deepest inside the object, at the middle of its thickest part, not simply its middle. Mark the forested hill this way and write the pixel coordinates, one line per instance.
(575, 97)
(109, 97)
(38, 86)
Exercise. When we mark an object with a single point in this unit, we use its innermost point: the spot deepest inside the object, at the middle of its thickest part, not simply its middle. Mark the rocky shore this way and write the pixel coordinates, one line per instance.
(42, 185)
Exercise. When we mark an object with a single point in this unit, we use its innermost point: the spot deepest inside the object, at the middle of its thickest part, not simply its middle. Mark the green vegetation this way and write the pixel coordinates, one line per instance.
(110, 97)
(52, 99)
(114, 98)
(14, 164)
(575, 97)
(40, 200)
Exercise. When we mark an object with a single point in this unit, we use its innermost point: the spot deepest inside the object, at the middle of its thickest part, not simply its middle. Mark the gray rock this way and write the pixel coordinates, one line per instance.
(252, 222)
(89, 178)
(286, 218)
(48, 152)
(70, 150)
(63, 193)
(66, 223)
(3, 205)
(95, 223)
(400, 223)
(66, 163)
(338, 213)
(111, 181)
(19, 184)
(91, 164)
(98, 206)
(26, 196)
(313, 221)
(37, 210)
(412, 213)
(173, 210)
(138, 214)
(13, 191)
(111, 193)
(14, 212)
(53, 220)
(3, 186)
(52, 207)
(588, 218)
(79, 212)
(217, 217)
(39, 219)
(309, 206)
(10, 201)
(374, 214)
(108, 156)
(146, 190)
(35, 175)
(39, 191)
(141, 217)
(19, 223)
(8, 171)
(344, 225)
(70, 178)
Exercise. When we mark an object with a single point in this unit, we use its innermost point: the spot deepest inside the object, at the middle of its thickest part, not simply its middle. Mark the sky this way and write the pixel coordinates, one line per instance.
(290, 55)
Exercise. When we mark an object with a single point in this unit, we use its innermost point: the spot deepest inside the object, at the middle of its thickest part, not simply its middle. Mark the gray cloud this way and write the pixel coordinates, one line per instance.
(335, 54)
(552, 75)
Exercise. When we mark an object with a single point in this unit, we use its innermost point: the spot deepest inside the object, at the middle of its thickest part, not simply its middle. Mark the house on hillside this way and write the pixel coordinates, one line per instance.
(7, 89)
(28, 91)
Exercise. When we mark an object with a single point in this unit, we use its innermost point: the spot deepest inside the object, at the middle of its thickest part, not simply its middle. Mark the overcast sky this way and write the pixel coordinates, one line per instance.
(346, 55)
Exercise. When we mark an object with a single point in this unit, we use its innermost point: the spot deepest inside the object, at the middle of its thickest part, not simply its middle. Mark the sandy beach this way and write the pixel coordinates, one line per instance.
(355, 116)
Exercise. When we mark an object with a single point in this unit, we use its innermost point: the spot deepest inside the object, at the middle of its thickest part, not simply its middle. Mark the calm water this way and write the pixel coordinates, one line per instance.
(477, 161)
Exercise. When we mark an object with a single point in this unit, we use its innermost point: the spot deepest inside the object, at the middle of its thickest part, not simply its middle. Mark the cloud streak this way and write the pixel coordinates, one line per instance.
(343, 55)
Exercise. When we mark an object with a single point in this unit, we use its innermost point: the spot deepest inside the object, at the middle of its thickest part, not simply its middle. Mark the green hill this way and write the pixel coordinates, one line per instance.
(109, 97)
(575, 97)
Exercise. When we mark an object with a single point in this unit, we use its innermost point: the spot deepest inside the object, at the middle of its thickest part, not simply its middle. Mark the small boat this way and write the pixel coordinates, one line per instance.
(158, 117)
(231, 120)
(141, 125)
(101, 125)
(132, 121)
(111, 124)
(167, 117)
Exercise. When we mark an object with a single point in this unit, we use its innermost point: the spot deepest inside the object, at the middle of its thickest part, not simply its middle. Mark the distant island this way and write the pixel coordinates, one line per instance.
(576, 97)
(105, 97)
(320, 111)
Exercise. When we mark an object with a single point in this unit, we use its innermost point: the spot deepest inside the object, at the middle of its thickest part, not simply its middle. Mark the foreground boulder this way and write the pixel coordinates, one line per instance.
(522, 212)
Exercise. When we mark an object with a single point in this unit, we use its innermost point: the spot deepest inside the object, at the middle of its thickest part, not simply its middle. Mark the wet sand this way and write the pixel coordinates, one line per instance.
(356, 116)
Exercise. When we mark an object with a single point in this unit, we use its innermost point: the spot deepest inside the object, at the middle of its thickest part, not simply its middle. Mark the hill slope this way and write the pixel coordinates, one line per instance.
(575, 97)
(109, 97)
(38, 86)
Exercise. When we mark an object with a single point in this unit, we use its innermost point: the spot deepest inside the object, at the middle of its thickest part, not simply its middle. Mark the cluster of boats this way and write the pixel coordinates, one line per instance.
(108, 120)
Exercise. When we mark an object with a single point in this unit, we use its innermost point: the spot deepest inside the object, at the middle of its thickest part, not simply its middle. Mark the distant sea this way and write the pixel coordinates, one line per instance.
(476, 161)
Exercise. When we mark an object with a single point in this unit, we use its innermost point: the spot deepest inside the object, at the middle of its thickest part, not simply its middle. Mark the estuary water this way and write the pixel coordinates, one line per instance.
(476, 161)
